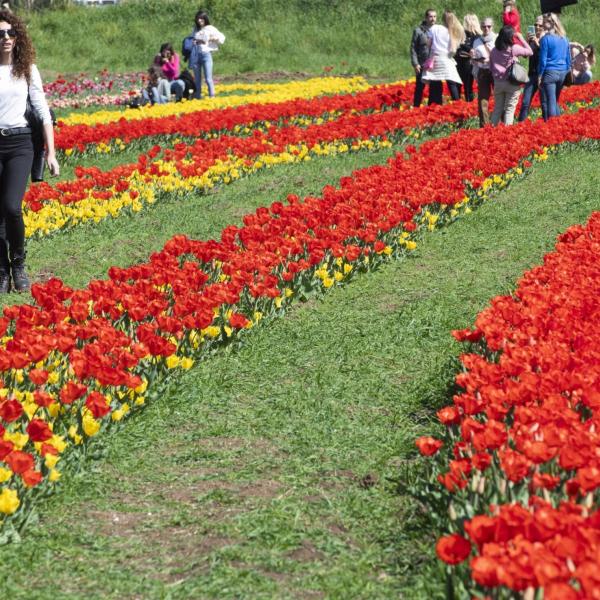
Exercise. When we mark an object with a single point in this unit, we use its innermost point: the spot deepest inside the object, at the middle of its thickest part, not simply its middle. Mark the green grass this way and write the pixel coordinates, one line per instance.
(269, 472)
(368, 37)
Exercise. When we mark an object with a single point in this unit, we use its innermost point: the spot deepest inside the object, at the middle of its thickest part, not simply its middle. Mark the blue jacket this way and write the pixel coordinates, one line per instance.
(555, 54)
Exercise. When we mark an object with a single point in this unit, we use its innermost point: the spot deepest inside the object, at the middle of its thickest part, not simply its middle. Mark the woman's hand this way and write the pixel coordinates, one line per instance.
(53, 165)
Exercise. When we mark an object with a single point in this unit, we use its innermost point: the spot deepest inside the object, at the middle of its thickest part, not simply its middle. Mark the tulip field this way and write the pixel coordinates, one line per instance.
(243, 309)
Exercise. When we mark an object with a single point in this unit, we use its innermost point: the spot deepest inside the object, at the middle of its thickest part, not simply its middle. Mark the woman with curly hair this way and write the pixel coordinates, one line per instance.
(19, 79)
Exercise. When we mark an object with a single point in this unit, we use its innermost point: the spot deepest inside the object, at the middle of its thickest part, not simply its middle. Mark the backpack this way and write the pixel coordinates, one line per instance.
(186, 47)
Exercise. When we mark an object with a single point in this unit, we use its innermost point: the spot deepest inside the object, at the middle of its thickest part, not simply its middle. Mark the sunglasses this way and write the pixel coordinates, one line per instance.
(11, 33)
(486, 27)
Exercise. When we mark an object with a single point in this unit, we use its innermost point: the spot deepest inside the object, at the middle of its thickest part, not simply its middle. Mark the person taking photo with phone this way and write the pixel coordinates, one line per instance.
(19, 81)
(534, 36)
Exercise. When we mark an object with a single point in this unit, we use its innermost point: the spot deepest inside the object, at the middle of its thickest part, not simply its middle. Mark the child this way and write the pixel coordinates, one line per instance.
(158, 89)
(511, 15)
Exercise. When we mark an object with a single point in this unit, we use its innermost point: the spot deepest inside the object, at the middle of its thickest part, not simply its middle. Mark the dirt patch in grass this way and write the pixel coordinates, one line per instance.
(271, 76)
(306, 553)
(182, 551)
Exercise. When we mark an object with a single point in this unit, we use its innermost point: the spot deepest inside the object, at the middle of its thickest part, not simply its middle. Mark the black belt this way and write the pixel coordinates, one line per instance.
(15, 131)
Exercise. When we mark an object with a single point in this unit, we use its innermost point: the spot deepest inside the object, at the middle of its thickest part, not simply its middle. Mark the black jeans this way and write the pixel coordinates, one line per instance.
(465, 70)
(435, 91)
(16, 156)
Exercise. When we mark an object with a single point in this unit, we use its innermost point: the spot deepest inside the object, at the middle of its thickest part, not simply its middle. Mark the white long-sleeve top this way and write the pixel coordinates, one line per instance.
(212, 37)
(13, 98)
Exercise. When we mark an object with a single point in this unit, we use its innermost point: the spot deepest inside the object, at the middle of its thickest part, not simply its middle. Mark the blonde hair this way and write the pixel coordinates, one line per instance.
(471, 24)
(457, 33)
(556, 24)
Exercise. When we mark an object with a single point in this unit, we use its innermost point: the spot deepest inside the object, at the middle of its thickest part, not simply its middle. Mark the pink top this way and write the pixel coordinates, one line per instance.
(512, 18)
(501, 61)
(170, 68)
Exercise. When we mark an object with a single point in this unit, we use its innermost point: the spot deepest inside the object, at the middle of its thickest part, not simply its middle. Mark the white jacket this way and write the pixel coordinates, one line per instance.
(212, 37)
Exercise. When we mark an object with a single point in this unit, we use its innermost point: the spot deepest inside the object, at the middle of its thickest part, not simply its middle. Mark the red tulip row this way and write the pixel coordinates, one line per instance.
(77, 359)
(222, 120)
(225, 119)
(195, 159)
(524, 474)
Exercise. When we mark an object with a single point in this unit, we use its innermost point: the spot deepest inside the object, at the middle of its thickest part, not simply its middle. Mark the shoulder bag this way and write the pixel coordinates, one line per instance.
(517, 74)
(37, 137)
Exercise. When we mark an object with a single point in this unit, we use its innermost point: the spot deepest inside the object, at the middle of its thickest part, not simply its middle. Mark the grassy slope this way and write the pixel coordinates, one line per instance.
(266, 473)
(355, 36)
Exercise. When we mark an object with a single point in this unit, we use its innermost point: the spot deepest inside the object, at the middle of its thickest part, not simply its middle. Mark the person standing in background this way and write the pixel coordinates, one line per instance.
(206, 40)
(463, 54)
(419, 53)
(511, 16)
(480, 56)
(445, 39)
(554, 64)
(502, 57)
(531, 87)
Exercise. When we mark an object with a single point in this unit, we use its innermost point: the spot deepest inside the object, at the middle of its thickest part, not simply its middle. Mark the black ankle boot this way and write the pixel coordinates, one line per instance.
(4, 269)
(20, 280)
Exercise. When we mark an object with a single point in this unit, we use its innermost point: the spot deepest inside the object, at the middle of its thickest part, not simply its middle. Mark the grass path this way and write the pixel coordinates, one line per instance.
(268, 472)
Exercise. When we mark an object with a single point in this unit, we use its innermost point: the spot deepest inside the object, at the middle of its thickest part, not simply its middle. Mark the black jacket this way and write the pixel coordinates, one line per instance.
(419, 45)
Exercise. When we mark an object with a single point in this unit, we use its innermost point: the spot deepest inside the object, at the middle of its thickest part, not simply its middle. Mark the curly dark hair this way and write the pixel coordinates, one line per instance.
(23, 52)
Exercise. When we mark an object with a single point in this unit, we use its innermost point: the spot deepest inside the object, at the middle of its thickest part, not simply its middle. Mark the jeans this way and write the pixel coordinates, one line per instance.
(156, 95)
(419, 87)
(583, 78)
(531, 87)
(16, 156)
(205, 63)
(454, 89)
(465, 70)
(436, 89)
(177, 88)
(552, 84)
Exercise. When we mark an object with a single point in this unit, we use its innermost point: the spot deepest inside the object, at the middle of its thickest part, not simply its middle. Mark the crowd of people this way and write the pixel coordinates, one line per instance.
(166, 79)
(461, 54)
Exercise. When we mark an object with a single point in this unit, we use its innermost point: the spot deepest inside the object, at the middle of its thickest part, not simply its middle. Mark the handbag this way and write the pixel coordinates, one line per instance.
(37, 137)
(517, 74)
(429, 64)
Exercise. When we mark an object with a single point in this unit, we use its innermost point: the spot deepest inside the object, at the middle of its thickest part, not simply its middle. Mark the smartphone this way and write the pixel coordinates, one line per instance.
(531, 30)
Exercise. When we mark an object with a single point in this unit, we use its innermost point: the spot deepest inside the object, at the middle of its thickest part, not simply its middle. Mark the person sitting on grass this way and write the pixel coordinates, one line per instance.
(158, 89)
(583, 58)
(168, 61)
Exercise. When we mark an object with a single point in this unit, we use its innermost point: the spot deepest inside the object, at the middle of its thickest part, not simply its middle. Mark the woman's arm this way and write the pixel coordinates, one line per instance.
(543, 56)
(38, 101)
(520, 50)
(214, 35)
(51, 161)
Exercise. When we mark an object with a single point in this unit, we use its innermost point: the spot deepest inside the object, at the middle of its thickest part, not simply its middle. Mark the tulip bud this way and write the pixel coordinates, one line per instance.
(502, 486)
(452, 512)
(529, 594)
(481, 486)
